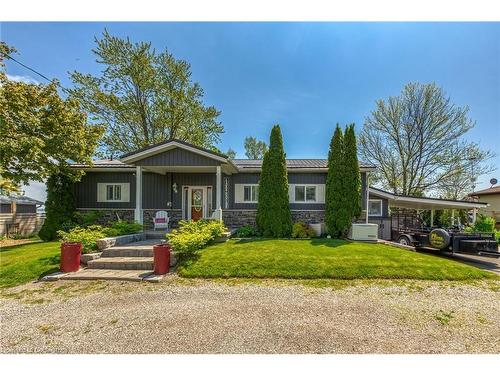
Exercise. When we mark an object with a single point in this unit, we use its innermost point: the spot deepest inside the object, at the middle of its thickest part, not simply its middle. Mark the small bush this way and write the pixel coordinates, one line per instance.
(302, 230)
(126, 227)
(110, 232)
(246, 231)
(194, 235)
(484, 224)
(88, 218)
(87, 236)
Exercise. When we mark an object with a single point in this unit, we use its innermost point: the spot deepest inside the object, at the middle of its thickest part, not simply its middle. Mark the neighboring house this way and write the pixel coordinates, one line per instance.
(190, 182)
(491, 196)
(18, 215)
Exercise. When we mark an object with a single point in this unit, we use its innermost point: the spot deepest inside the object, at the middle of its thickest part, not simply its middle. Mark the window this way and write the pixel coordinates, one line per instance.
(113, 192)
(375, 207)
(305, 193)
(250, 193)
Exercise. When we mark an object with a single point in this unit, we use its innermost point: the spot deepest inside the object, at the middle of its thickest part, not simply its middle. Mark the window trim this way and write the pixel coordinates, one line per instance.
(124, 187)
(381, 207)
(253, 187)
(305, 186)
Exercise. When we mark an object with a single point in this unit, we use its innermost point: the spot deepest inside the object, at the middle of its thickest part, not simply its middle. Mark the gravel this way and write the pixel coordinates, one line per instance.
(184, 316)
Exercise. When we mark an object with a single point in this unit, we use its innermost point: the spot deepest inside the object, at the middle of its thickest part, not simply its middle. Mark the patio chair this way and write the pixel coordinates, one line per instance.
(161, 220)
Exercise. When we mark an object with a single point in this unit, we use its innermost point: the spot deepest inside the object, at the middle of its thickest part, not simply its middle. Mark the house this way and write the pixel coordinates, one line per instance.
(18, 215)
(491, 196)
(190, 182)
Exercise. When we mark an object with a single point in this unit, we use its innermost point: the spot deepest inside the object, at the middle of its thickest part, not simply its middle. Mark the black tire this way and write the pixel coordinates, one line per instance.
(439, 239)
(404, 240)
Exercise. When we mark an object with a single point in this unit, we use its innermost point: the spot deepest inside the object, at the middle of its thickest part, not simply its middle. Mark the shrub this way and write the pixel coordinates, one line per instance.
(194, 235)
(484, 224)
(87, 218)
(126, 227)
(59, 206)
(302, 230)
(87, 236)
(246, 231)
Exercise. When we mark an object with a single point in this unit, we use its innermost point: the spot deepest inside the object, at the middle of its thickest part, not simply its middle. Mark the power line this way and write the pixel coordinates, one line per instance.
(31, 69)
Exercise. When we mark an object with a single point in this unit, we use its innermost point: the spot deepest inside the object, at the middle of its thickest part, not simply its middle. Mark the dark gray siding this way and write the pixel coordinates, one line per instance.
(192, 179)
(5, 208)
(306, 178)
(86, 189)
(241, 178)
(26, 208)
(156, 190)
(177, 157)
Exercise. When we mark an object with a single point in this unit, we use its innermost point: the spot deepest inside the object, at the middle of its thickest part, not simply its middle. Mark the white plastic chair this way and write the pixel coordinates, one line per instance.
(161, 220)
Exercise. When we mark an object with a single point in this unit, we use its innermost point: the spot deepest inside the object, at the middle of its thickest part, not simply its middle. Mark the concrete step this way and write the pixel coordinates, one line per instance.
(127, 252)
(152, 235)
(122, 263)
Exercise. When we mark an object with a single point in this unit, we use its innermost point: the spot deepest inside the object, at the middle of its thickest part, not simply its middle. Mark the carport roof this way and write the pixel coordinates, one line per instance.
(424, 203)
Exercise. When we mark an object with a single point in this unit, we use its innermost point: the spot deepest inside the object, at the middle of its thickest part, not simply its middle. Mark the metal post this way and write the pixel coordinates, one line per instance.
(474, 215)
(138, 195)
(432, 217)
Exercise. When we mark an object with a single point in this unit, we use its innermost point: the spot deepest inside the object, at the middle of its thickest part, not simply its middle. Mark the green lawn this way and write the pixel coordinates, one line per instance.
(320, 259)
(23, 263)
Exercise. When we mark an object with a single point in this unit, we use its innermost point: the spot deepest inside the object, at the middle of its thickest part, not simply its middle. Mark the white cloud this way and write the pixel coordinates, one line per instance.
(24, 79)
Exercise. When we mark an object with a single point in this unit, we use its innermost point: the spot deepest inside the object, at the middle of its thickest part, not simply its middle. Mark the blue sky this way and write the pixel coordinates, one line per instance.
(304, 76)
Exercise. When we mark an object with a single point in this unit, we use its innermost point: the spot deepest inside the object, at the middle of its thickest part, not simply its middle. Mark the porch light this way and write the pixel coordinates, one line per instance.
(174, 187)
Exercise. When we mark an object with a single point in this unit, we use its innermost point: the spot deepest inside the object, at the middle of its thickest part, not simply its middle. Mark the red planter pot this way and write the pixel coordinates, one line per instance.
(161, 259)
(70, 256)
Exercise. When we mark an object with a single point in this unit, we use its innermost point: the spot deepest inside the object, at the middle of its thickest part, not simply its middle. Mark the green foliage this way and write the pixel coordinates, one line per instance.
(194, 235)
(144, 97)
(246, 231)
(352, 176)
(254, 149)
(337, 217)
(230, 153)
(273, 211)
(40, 130)
(59, 206)
(86, 236)
(302, 230)
(87, 218)
(484, 224)
(126, 227)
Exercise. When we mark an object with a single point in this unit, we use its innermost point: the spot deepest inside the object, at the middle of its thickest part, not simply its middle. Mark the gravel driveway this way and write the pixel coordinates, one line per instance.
(179, 316)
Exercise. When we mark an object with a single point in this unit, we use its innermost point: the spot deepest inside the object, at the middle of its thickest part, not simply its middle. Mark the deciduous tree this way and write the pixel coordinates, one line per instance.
(144, 97)
(417, 141)
(254, 149)
(41, 132)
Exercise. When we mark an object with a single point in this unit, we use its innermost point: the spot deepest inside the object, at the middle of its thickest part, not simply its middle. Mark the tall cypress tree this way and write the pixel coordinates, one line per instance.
(60, 205)
(273, 211)
(352, 177)
(336, 206)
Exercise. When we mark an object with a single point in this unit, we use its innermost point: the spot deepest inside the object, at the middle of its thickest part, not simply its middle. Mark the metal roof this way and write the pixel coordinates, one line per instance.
(104, 163)
(19, 199)
(291, 163)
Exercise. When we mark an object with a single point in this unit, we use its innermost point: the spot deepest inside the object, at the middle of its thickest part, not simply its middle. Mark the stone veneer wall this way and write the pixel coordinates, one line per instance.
(112, 215)
(148, 215)
(239, 218)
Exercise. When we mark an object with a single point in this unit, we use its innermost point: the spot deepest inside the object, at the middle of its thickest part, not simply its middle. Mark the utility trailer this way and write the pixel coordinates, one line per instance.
(449, 240)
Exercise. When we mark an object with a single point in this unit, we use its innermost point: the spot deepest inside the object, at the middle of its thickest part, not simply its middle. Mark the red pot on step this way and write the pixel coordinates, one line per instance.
(70, 256)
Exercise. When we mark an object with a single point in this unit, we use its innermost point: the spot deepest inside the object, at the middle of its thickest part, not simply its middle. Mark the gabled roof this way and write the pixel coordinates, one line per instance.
(19, 199)
(489, 191)
(167, 145)
(409, 201)
(104, 164)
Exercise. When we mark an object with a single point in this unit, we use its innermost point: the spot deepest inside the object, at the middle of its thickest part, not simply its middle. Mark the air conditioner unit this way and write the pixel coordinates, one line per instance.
(363, 232)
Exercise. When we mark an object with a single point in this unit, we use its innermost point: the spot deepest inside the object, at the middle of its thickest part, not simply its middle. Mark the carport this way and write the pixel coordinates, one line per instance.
(419, 204)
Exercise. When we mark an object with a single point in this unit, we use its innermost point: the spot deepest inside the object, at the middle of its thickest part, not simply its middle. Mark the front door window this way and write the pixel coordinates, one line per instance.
(196, 204)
